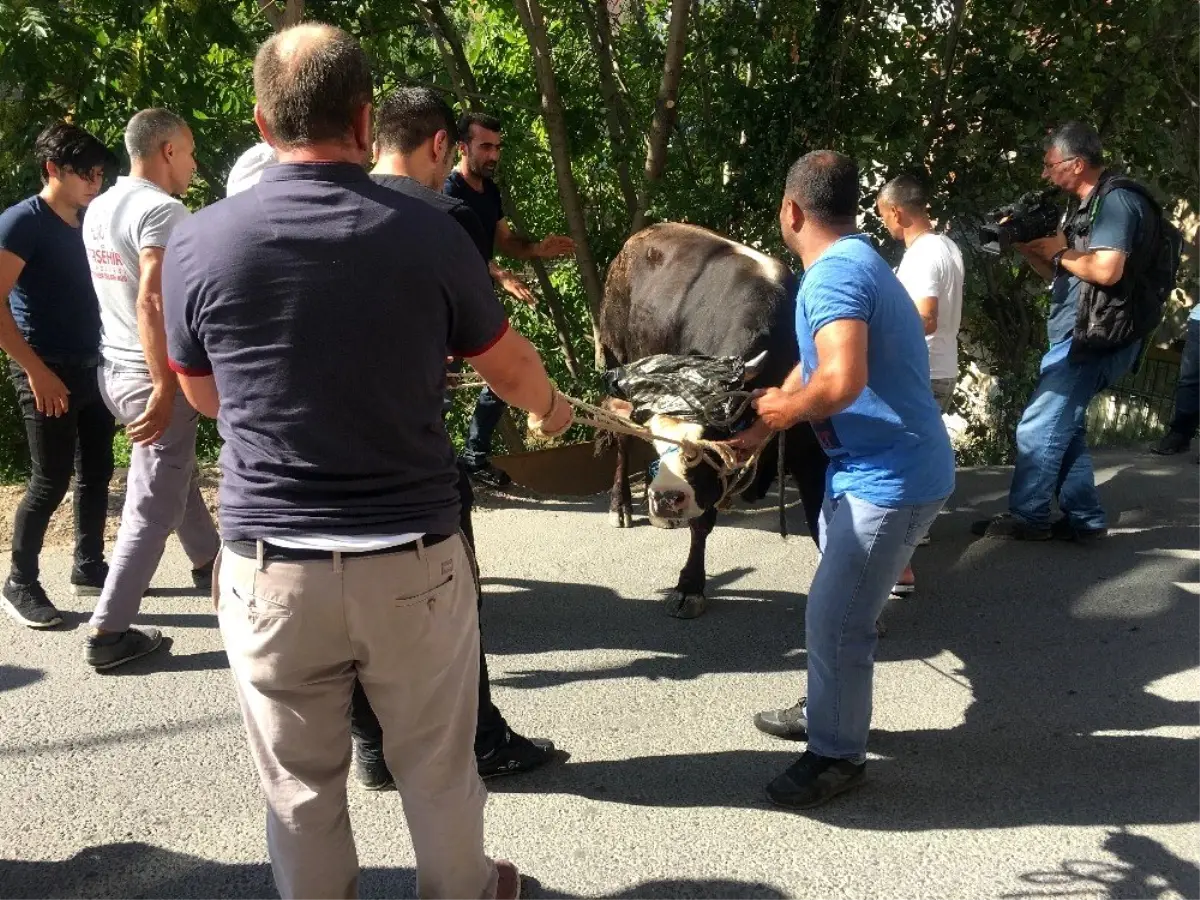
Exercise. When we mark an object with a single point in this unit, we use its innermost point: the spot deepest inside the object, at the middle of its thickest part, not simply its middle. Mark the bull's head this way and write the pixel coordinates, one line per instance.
(685, 484)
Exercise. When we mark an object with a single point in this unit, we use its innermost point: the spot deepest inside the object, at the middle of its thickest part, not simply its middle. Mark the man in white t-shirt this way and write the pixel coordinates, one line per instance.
(125, 233)
(932, 273)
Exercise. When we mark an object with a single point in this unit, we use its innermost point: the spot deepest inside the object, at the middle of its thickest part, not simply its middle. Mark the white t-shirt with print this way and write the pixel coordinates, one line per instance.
(933, 267)
(131, 216)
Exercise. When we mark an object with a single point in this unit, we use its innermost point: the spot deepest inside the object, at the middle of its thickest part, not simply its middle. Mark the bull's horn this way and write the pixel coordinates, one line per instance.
(754, 366)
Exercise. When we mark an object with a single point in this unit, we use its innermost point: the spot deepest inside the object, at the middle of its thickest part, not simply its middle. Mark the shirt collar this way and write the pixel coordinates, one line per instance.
(338, 172)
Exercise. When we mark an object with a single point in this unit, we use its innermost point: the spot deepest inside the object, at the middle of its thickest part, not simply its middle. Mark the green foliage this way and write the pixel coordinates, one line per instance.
(763, 82)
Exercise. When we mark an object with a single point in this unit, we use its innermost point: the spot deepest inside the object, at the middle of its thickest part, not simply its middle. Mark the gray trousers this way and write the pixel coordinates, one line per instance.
(162, 495)
(943, 391)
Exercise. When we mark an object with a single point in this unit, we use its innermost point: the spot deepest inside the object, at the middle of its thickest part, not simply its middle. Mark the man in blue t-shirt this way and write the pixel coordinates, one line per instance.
(863, 383)
(50, 329)
(1052, 461)
(472, 182)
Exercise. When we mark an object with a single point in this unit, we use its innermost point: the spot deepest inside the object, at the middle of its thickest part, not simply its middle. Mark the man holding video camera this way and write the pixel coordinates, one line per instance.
(1108, 235)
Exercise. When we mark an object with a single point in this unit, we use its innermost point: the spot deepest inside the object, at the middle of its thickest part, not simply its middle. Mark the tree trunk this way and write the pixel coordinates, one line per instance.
(291, 14)
(601, 39)
(665, 109)
(530, 13)
(937, 107)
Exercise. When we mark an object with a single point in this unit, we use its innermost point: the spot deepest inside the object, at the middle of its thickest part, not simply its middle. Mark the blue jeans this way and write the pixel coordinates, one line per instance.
(1187, 392)
(864, 548)
(488, 411)
(1052, 454)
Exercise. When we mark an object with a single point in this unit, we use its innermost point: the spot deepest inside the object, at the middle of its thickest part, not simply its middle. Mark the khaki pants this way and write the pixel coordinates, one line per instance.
(405, 624)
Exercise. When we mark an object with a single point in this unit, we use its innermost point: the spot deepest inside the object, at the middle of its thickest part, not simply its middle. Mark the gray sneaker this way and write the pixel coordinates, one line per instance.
(107, 651)
(790, 723)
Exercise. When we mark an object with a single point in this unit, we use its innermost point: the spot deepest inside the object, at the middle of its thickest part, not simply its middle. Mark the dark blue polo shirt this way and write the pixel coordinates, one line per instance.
(53, 302)
(323, 305)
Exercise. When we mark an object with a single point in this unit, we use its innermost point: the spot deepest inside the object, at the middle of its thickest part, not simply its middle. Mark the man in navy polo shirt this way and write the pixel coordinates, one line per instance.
(311, 315)
(50, 329)
(472, 182)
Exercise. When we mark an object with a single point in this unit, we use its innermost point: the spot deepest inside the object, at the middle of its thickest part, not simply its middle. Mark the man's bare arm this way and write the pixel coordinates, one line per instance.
(201, 392)
(927, 307)
(516, 247)
(155, 418)
(49, 393)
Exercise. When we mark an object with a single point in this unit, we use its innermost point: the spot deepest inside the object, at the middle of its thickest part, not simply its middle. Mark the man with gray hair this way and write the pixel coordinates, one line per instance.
(126, 234)
(1108, 234)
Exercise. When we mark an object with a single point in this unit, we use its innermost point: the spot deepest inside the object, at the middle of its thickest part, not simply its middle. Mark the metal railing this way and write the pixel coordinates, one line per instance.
(1139, 406)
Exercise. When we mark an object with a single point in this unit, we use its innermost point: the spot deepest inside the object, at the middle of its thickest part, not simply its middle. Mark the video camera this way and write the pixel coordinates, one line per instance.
(1035, 215)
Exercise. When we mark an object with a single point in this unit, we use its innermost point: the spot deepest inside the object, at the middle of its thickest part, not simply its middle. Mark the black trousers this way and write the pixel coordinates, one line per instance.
(80, 443)
(490, 727)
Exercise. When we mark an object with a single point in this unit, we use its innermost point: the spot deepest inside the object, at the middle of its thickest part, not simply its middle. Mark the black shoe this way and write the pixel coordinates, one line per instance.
(202, 578)
(1172, 442)
(790, 723)
(489, 476)
(89, 582)
(1061, 529)
(29, 605)
(1009, 527)
(371, 770)
(516, 755)
(811, 780)
(107, 651)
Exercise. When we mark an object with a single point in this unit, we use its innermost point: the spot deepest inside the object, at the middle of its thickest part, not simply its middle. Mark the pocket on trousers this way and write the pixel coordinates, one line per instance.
(258, 607)
(918, 526)
(427, 598)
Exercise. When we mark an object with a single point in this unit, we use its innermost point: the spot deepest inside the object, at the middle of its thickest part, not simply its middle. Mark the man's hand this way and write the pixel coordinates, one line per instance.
(1044, 248)
(750, 440)
(150, 425)
(49, 393)
(554, 245)
(557, 419)
(776, 408)
(515, 287)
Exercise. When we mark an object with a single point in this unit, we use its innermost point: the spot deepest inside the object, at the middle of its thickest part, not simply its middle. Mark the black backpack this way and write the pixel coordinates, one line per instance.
(1110, 319)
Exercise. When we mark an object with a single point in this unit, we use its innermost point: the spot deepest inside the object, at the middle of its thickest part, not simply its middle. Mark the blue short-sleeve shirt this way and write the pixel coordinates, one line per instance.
(889, 446)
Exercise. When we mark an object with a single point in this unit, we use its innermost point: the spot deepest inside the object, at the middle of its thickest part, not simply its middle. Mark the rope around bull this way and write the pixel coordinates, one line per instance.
(734, 475)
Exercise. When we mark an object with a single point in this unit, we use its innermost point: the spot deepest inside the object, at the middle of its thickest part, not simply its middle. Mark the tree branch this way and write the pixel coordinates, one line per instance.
(665, 109)
(530, 13)
(601, 39)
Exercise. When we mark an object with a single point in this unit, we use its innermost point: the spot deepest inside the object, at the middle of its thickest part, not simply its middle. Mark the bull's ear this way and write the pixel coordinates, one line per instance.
(754, 366)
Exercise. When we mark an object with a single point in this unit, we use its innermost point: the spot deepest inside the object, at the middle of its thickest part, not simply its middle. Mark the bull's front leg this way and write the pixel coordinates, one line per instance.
(687, 601)
(620, 501)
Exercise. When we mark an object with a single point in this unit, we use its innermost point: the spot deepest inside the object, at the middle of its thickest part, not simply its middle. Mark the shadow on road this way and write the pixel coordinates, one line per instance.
(1073, 657)
(143, 870)
(13, 677)
(1146, 869)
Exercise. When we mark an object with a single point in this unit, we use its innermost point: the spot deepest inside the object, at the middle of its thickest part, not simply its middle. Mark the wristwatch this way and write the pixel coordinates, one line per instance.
(1056, 261)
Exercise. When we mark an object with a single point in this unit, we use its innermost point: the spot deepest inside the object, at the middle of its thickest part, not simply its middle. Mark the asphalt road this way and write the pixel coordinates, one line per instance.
(1035, 729)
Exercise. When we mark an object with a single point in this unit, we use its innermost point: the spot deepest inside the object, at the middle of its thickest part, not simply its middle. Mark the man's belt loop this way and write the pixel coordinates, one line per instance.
(421, 549)
(260, 550)
(337, 561)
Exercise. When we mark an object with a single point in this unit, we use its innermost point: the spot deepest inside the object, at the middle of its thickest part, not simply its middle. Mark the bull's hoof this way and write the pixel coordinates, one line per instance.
(620, 518)
(685, 606)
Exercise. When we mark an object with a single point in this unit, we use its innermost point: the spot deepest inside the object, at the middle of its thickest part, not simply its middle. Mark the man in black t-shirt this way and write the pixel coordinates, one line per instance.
(471, 182)
(415, 133)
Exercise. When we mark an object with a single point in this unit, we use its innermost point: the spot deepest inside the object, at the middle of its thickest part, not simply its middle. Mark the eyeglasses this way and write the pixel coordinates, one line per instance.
(1050, 167)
